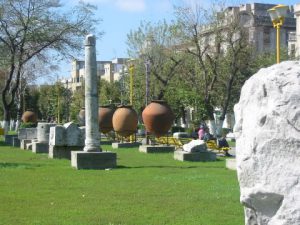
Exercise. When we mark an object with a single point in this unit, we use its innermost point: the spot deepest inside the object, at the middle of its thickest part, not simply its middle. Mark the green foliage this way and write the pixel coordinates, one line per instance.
(157, 188)
(28, 125)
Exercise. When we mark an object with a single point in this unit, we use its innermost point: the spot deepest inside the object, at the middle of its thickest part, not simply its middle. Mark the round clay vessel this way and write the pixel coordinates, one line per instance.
(158, 117)
(81, 116)
(29, 117)
(125, 120)
(105, 115)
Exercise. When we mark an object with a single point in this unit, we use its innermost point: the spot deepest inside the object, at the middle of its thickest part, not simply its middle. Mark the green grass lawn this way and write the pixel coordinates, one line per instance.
(145, 189)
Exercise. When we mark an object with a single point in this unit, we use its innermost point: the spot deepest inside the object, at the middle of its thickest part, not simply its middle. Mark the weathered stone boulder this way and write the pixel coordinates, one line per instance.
(195, 146)
(268, 145)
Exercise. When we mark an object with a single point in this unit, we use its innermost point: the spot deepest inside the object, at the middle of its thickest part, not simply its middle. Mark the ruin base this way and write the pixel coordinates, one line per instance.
(156, 148)
(125, 145)
(62, 152)
(195, 156)
(93, 160)
(39, 147)
(231, 164)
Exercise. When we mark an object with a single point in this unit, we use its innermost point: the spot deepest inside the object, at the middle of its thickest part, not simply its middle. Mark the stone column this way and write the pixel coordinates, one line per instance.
(92, 139)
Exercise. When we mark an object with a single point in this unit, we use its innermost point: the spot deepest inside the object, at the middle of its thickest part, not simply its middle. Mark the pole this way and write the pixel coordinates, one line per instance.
(278, 42)
(147, 64)
(131, 71)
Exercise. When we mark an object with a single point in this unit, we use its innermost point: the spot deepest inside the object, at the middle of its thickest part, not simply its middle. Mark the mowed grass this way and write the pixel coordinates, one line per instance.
(145, 189)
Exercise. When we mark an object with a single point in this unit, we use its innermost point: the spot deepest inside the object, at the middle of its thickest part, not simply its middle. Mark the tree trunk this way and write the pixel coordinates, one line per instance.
(6, 120)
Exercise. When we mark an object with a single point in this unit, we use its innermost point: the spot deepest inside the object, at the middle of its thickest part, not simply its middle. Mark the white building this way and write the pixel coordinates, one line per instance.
(107, 70)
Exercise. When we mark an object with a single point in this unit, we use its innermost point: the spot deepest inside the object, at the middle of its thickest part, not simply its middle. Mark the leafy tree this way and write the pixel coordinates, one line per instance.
(30, 29)
(217, 40)
(156, 44)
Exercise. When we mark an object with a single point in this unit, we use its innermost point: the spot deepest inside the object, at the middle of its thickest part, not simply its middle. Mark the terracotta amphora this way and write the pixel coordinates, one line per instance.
(125, 120)
(29, 117)
(158, 117)
(105, 115)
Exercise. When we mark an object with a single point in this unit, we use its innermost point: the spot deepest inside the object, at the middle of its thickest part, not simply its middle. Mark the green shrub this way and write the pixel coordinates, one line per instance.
(177, 129)
(28, 125)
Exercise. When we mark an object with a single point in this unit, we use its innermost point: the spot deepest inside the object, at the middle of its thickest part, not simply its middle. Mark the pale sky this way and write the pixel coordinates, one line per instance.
(121, 16)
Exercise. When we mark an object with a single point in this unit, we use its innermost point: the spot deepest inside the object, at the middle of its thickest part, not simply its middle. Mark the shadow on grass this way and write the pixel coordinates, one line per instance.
(18, 165)
(168, 167)
(2, 143)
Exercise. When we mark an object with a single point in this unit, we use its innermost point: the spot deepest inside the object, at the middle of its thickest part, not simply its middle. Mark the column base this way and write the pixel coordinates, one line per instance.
(125, 145)
(231, 164)
(93, 160)
(156, 148)
(39, 147)
(62, 152)
(195, 156)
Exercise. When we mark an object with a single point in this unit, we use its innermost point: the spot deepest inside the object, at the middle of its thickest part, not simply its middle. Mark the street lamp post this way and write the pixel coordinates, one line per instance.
(131, 72)
(147, 65)
(278, 14)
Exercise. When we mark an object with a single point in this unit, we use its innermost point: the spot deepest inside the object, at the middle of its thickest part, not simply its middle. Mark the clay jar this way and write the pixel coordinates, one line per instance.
(29, 117)
(125, 121)
(105, 115)
(158, 117)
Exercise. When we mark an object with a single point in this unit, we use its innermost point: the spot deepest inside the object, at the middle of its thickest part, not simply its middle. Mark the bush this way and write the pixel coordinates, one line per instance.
(177, 129)
(28, 125)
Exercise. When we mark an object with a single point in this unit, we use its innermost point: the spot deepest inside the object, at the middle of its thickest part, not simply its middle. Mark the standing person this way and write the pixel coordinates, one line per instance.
(201, 132)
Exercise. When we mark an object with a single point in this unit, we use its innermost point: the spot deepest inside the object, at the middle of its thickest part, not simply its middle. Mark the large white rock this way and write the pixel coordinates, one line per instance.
(195, 146)
(268, 145)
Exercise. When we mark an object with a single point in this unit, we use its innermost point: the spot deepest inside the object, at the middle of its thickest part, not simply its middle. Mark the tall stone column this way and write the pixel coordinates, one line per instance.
(92, 140)
(92, 156)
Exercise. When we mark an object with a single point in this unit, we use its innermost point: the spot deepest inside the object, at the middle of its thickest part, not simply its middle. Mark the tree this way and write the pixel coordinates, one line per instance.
(217, 41)
(37, 29)
(156, 44)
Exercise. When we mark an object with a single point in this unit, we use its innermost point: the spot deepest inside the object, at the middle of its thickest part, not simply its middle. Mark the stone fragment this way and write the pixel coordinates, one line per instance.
(57, 136)
(267, 132)
(195, 146)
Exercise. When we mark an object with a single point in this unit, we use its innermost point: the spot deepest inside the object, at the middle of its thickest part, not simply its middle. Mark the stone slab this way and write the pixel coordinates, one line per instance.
(38, 147)
(195, 156)
(24, 143)
(8, 139)
(62, 152)
(93, 160)
(231, 164)
(16, 142)
(125, 145)
(27, 133)
(156, 148)
(106, 142)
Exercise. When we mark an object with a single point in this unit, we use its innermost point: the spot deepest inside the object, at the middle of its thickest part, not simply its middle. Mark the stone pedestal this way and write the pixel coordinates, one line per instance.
(156, 148)
(195, 156)
(62, 152)
(231, 164)
(8, 139)
(16, 142)
(125, 145)
(38, 147)
(24, 143)
(93, 160)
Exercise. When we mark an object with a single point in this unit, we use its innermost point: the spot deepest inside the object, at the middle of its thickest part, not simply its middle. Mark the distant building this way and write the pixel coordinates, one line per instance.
(255, 18)
(294, 38)
(107, 70)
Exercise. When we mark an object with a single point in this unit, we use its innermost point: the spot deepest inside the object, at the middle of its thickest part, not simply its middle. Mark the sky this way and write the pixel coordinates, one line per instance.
(121, 16)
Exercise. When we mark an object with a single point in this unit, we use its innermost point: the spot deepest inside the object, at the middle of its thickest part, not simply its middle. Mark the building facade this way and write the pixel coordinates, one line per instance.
(256, 20)
(107, 70)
